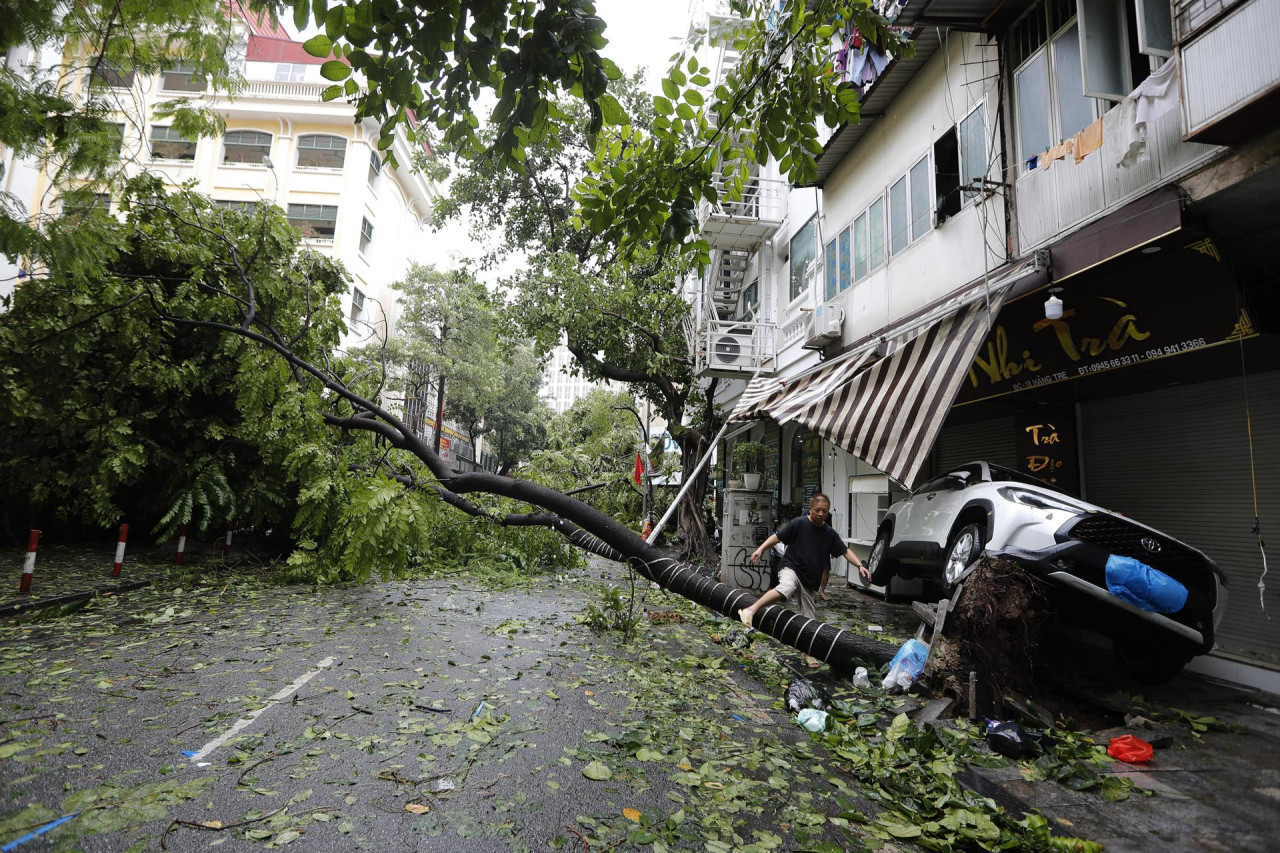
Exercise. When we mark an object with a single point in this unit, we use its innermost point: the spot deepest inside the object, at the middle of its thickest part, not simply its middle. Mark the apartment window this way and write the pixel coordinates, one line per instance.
(803, 250)
(845, 275)
(831, 259)
(861, 244)
(111, 75)
(1031, 85)
(168, 144)
(182, 78)
(357, 303)
(322, 150)
(290, 72)
(750, 299)
(315, 221)
(921, 192)
(246, 146)
(946, 175)
(899, 217)
(875, 214)
(229, 204)
(366, 235)
(114, 134)
(1075, 110)
(973, 149)
(375, 168)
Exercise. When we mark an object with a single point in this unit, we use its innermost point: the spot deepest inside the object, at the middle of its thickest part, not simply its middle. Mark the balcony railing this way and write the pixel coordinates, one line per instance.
(734, 347)
(742, 223)
(1053, 201)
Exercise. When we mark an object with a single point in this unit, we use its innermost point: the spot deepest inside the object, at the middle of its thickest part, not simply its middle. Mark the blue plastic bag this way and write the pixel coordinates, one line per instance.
(911, 656)
(1144, 587)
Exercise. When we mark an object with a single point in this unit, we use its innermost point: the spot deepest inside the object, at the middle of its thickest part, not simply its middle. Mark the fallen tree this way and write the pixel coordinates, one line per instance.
(231, 304)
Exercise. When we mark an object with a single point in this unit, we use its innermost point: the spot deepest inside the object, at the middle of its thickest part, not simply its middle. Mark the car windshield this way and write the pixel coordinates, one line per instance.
(1000, 474)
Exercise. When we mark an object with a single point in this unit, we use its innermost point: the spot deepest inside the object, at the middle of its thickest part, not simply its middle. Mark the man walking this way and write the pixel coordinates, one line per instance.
(806, 564)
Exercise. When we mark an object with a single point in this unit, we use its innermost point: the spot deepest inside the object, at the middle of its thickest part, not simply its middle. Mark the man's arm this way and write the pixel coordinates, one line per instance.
(853, 559)
(764, 546)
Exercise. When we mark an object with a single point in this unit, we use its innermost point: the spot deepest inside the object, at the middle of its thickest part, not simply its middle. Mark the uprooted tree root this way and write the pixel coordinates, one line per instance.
(993, 631)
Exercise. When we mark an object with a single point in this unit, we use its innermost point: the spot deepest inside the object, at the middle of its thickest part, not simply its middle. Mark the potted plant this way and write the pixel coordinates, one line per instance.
(749, 456)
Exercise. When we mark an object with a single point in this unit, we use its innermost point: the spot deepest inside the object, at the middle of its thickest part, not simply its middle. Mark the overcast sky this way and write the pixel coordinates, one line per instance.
(644, 33)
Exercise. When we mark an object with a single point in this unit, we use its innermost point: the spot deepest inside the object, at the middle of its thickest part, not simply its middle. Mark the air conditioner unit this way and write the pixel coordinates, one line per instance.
(731, 351)
(826, 325)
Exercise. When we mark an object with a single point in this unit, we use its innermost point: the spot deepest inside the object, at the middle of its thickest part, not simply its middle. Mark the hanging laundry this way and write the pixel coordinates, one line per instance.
(1057, 152)
(1154, 97)
(1088, 140)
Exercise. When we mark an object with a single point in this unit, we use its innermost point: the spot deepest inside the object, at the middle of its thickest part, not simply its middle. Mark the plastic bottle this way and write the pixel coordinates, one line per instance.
(860, 677)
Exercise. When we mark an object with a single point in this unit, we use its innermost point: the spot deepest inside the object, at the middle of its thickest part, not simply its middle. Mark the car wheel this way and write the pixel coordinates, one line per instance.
(1142, 661)
(966, 546)
(879, 563)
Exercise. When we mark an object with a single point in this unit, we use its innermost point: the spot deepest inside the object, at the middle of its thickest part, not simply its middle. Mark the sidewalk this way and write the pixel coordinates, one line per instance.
(68, 573)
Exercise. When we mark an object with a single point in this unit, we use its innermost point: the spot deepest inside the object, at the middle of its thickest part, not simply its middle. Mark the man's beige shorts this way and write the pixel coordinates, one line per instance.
(798, 598)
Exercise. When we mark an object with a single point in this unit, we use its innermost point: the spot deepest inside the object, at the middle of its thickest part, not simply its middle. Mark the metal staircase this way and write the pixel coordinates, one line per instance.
(730, 276)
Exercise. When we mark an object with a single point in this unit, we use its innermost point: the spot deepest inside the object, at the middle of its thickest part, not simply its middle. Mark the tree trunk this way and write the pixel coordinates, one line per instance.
(439, 414)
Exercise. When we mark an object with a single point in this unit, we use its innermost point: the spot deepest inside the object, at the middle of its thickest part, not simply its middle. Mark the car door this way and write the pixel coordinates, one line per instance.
(938, 508)
(911, 525)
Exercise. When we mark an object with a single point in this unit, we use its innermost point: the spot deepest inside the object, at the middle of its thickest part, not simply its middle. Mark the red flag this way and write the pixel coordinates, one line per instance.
(639, 468)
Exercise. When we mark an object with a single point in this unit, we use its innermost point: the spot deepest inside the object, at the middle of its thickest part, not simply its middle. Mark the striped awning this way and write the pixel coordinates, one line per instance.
(886, 399)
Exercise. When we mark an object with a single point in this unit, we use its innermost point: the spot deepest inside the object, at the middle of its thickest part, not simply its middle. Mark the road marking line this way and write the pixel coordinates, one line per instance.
(274, 700)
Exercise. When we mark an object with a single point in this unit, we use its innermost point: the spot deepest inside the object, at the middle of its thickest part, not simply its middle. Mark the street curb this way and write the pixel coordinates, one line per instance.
(69, 598)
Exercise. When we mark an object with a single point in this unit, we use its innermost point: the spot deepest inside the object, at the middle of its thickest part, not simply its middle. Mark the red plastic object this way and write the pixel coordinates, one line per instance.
(1131, 749)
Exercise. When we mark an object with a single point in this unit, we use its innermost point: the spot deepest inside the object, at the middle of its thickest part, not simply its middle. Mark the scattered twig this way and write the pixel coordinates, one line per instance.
(29, 719)
(164, 837)
(253, 765)
(429, 708)
(586, 847)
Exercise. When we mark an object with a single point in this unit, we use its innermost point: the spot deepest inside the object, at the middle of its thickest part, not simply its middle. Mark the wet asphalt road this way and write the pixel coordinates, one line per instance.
(378, 708)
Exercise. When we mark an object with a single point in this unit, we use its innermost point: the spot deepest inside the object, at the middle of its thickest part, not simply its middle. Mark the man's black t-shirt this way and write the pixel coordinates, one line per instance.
(810, 549)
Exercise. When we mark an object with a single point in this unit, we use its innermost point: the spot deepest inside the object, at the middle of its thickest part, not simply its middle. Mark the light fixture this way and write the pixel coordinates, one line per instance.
(266, 161)
(1053, 305)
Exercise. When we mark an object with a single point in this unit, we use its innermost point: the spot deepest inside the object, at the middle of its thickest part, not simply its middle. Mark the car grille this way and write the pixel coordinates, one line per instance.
(1121, 537)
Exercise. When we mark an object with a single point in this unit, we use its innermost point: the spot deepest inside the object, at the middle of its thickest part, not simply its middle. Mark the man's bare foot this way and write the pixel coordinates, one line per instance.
(746, 614)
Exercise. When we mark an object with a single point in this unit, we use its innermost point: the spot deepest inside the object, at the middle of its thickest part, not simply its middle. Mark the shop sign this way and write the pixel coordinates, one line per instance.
(811, 466)
(1109, 325)
(1047, 448)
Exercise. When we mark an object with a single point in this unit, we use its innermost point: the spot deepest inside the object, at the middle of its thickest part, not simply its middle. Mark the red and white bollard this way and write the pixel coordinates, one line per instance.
(115, 567)
(29, 566)
(226, 548)
(182, 545)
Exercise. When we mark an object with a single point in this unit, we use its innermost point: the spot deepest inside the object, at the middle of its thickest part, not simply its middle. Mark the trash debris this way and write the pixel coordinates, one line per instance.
(875, 629)
(479, 709)
(450, 604)
(812, 719)
(1011, 740)
(441, 785)
(737, 638)
(190, 753)
(803, 693)
(1130, 749)
(906, 665)
(1144, 587)
(860, 678)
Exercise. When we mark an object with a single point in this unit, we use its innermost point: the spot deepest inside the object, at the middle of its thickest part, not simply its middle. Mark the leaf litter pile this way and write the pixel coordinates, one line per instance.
(458, 717)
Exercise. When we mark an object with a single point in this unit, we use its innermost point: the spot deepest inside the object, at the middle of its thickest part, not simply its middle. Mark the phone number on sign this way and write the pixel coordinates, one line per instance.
(1149, 355)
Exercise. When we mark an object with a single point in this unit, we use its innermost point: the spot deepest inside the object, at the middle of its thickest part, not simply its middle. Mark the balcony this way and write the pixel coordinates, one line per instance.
(1230, 68)
(1069, 194)
(733, 348)
(741, 225)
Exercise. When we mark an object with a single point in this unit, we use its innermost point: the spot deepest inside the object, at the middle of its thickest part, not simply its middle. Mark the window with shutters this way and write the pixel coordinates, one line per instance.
(246, 146)
(315, 221)
(323, 151)
(168, 144)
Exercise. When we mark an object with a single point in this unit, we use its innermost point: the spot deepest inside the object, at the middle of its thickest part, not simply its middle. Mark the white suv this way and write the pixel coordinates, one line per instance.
(950, 521)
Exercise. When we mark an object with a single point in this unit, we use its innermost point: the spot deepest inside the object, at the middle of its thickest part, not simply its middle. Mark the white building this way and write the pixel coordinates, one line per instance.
(1117, 155)
(561, 388)
(282, 145)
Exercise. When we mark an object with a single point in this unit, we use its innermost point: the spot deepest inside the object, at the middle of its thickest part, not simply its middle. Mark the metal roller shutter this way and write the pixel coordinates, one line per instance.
(985, 441)
(1178, 460)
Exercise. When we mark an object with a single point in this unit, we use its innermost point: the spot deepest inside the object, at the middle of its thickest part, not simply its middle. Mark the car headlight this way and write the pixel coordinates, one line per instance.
(1039, 500)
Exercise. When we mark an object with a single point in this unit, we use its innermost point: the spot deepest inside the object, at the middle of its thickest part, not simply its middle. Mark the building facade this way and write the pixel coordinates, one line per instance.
(282, 145)
(1049, 243)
